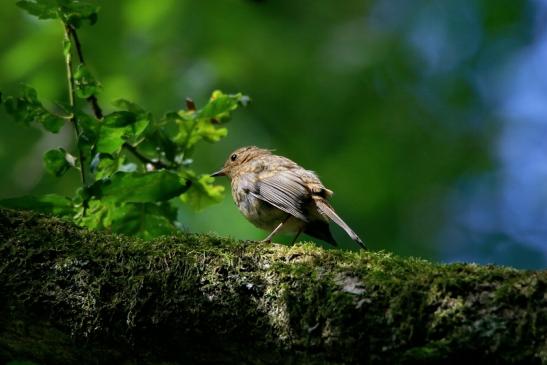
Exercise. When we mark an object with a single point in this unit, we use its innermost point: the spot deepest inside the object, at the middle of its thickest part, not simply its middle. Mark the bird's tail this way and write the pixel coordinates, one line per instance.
(329, 212)
(320, 229)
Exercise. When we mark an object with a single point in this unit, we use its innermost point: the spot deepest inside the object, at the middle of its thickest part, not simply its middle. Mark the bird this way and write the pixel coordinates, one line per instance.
(277, 195)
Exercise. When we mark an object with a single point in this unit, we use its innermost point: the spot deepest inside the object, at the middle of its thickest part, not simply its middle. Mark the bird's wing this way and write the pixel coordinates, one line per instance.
(285, 191)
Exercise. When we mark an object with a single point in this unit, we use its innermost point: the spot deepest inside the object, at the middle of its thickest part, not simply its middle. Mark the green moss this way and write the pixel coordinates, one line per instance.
(201, 298)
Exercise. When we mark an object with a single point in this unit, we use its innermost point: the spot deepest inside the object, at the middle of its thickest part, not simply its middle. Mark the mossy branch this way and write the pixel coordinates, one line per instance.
(75, 296)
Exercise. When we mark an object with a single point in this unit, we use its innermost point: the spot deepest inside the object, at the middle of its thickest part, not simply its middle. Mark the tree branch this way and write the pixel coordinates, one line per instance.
(75, 296)
(142, 158)
(72, 103)
(97, 111)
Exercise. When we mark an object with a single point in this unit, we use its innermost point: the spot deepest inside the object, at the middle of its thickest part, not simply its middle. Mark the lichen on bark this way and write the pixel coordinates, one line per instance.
(74, 296)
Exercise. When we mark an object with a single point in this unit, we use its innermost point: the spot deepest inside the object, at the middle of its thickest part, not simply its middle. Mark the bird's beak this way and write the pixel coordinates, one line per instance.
(219, 173)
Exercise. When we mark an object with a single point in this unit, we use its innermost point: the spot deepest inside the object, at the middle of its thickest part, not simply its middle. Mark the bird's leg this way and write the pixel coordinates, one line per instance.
(269, 238)
(296, 237)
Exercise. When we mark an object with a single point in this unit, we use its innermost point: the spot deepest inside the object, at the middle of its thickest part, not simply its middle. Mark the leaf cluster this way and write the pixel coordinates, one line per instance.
(133, 166)
(71, 12)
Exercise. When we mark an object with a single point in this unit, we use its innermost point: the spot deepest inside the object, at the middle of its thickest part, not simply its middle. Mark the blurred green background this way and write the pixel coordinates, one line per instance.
(425, 117)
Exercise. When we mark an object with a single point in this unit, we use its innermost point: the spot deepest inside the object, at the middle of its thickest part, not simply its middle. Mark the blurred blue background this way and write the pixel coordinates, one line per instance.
(427, 118)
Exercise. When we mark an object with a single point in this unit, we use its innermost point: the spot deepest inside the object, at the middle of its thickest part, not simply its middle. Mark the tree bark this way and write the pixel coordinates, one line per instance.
(72, 296)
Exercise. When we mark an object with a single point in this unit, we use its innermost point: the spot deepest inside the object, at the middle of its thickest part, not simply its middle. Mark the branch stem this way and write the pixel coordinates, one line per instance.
(71, 34)
(72, 103)
(191, 106)
(142, 158)
(97, 111)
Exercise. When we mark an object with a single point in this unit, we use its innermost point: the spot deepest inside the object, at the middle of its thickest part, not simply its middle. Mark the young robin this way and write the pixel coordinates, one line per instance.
(277, 195)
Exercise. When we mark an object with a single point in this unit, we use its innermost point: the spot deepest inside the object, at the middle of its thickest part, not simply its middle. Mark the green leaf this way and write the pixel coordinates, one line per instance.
(145, 220)
(110, 140)
(220, 105)
(187, 136)
(43, 9)
(78, 11)
(105, 165)
(203, 193)
(136, 187)
(58, 161)
(129, 106)
(195, 126)
(89, 128)
(72, 12)
(158, 144)
(51, 122)
(171, 117)
(120, 127)
(133, 115)
(97, 214)
(133, 124)
(86, 84)
(211, 133)
(26, 108)
(120, 119)
(49, 203)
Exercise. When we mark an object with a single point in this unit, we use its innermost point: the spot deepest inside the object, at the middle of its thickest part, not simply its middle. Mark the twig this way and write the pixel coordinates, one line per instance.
(72, 102)
(142, 158)
(191, 106)
(92, 99)
(97, 111)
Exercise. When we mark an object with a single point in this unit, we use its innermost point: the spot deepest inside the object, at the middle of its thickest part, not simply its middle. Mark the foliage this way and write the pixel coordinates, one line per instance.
(399, 109)
(26, 108)
(132, 165)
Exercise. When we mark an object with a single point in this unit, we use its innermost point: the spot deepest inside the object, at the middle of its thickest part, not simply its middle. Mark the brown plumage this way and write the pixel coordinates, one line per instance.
(276, 194)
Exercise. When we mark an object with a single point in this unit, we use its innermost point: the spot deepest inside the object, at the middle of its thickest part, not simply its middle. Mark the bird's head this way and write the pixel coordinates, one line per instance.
(239, 160)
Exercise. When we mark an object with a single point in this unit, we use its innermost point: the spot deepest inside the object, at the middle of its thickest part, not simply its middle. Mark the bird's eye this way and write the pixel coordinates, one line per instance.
(233, 157)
